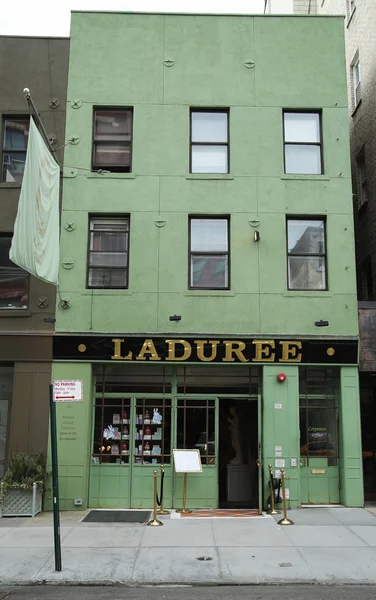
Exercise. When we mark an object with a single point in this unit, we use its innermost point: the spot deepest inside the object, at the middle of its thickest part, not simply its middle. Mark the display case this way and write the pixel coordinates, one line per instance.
(112, 431)
(152, 432)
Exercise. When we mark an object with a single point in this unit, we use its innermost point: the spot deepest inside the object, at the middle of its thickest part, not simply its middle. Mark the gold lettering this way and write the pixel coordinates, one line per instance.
(200, 350)
(148, 348)
(171, 349)
(117, 351)
(290, 352)
(232, 349)
(264, 352)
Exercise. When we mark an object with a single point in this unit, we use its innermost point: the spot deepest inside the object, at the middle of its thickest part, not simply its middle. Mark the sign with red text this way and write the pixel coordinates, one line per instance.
(67, 391)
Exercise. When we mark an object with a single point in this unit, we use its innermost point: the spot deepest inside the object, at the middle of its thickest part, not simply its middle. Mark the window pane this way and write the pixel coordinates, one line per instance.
(13, 166)
(106, 240)
(209, 127)
(108, 259)
(306, 273)
(209, 271)
(112, 155)
(16, 134)
(303, 159)
(306, 237)
(107, 278)
(302, 127)
(14, 288)
(209, 159)
(5, 243)
(111, 125)
(209, 235)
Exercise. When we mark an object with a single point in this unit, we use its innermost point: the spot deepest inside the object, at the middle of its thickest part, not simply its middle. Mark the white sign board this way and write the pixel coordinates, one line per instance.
(187, 461)
(67, 391)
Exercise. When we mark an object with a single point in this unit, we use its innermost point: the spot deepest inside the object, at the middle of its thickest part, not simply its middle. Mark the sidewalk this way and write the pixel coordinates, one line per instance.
(326, 545)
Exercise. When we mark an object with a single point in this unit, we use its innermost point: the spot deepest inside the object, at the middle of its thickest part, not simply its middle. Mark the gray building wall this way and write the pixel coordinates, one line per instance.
(360, 27)
(41, 64)
(305, 7)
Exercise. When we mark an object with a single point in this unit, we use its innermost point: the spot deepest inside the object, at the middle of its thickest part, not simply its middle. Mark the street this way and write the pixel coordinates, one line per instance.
(271, 592)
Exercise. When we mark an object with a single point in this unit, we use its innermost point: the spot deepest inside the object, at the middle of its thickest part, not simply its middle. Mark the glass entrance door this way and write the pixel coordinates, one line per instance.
(319, 470)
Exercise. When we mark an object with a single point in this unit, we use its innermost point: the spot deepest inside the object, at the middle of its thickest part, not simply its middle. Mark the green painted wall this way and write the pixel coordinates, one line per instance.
(351, 468)
(209, 54)
(73, 420)
(281, 427)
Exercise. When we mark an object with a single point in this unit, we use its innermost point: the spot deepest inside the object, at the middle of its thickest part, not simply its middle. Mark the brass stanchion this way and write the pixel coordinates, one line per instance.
(154, 522)
(161, 510)
(184, 510)
(273, 510)
(285, 520)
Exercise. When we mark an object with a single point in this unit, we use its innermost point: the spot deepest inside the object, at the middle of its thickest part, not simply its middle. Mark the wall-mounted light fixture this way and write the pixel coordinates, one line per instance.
(256, 236)
(321, 323)
(175, 318)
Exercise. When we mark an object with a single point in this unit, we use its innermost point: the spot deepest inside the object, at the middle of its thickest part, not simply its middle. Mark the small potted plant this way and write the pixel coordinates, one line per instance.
(21, 489)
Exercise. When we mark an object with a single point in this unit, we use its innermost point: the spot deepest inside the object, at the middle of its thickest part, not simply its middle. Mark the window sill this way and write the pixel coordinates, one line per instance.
(350, 17)
(308, 294)
(109, 291)
(14, 312)
(5, 184)
(204, 176)
(302, 177)
(209, 293)
(94, 175)
(356, 108)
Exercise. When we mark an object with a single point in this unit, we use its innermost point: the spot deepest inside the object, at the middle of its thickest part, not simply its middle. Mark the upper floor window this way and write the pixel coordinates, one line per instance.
(362, 178)
(306, 254)
(302, 140)
(112, 143)
(209, 253)
(16, 133)
(355, 72)
(209, 141)
(14, 281)
(108, 253)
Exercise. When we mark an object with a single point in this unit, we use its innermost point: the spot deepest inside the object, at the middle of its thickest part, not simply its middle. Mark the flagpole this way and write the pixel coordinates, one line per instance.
(39, 120)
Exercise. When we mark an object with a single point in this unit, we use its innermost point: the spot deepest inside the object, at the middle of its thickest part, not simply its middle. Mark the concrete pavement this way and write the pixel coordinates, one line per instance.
(325, 545)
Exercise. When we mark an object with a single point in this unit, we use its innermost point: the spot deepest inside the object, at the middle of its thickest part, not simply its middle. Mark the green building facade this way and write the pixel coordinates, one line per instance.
(207, 284)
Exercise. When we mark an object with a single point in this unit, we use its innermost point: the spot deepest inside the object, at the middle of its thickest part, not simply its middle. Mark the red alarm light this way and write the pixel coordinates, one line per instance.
(281, 377)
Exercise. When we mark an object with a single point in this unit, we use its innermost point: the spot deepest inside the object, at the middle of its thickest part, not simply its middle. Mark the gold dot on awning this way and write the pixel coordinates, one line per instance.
(82, 347)
(330, 351)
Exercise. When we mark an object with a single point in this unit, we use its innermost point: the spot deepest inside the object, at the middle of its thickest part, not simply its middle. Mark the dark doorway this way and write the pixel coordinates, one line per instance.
(368, 420)
(238, 473)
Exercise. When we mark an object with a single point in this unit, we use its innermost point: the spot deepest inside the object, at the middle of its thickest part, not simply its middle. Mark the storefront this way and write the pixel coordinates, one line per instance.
(143, 397)
(25, 374)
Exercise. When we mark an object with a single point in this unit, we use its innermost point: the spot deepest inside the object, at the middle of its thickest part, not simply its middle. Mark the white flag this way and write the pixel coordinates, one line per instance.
(35, 243)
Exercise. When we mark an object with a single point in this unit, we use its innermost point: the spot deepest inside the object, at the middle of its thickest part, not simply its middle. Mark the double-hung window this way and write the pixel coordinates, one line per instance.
(108, 253)
(362, 178)
(355, 71)
(209, 141)
(302, 140)
(14, 281)
(209, 253)
(306, 254)
(112, 143)
(16, 134)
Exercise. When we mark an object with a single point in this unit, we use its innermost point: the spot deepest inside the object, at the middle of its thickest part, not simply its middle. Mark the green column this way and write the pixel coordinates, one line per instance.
(350, 445)
(74, 423)
(281, 426)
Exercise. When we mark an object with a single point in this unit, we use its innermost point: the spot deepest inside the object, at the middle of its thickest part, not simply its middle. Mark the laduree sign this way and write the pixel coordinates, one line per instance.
(212, 349)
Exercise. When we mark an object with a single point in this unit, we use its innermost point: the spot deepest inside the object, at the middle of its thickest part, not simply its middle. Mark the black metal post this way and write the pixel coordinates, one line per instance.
(55, 482)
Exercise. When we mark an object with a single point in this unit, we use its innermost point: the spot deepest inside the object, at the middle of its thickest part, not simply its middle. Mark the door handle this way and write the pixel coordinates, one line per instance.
(259, 463)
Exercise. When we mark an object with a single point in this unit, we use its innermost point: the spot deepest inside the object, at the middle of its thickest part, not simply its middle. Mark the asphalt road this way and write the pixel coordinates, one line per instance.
(272, 592)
